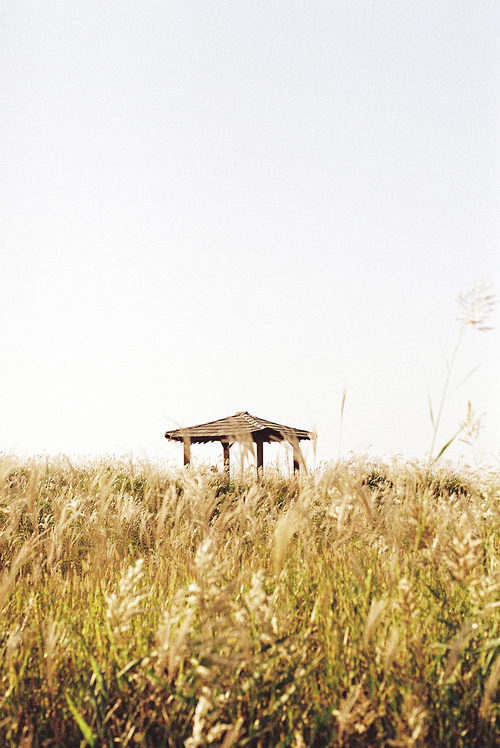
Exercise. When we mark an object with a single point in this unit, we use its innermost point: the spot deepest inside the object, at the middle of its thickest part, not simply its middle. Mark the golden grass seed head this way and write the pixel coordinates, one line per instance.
(124, 604)
(464, 554)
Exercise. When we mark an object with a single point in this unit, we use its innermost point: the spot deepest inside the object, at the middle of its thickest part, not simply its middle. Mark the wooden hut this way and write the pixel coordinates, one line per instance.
(243, 428)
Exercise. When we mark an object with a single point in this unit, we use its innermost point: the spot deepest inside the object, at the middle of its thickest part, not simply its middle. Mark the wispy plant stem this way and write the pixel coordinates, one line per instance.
(450, 365)
(342, 406)
(476, 305)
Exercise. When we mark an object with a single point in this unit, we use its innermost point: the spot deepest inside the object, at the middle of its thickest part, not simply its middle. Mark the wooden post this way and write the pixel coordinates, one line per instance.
(225, 446)
(260, 455)
(187, 451)
(298, 460)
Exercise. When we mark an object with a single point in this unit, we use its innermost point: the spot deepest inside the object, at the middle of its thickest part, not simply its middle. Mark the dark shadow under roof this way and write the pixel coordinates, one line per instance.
(240, 427)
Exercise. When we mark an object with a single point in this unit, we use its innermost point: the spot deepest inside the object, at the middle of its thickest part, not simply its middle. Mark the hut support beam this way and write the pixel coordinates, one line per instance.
(260, 455)
(227, 463)
(297, 458)
(187, 452)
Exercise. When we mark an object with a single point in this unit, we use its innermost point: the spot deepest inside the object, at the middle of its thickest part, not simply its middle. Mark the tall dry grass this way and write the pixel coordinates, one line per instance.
(355, 607)
(476, 305)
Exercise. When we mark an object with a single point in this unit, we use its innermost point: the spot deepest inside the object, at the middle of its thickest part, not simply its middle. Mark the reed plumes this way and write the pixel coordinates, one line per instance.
(476, 306)
(125, 604)
(355, 607)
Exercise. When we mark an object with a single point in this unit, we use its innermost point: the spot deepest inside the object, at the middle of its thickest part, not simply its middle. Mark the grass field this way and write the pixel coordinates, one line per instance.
(359, 606)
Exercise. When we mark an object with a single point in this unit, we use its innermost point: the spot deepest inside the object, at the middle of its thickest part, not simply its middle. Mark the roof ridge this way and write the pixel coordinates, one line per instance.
(253, 420)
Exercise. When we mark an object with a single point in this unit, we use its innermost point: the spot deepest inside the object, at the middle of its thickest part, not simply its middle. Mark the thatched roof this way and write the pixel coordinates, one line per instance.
(240, 427)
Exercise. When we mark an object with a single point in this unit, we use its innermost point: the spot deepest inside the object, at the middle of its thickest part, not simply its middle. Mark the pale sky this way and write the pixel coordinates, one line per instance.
(209, 207)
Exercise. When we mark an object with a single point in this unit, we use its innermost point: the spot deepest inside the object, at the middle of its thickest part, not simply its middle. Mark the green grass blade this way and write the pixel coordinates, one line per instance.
(443, 450)
(84, 727)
